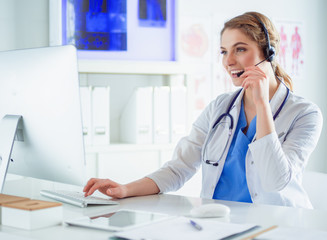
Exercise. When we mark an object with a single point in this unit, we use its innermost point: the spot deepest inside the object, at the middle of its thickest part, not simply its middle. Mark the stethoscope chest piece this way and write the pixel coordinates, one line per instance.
(213, 163)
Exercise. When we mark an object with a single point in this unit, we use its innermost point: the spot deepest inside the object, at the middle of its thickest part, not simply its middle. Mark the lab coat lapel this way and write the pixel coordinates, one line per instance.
(278, 98)
(236, 108)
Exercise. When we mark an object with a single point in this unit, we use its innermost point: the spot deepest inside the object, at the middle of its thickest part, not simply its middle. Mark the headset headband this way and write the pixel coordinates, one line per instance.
(270, 50)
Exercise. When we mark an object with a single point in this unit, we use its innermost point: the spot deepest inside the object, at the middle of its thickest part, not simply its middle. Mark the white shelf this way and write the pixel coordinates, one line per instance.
(132, 67)
(124, 147)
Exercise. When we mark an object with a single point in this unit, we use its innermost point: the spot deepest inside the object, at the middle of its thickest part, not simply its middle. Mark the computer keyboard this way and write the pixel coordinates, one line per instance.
(76, 198)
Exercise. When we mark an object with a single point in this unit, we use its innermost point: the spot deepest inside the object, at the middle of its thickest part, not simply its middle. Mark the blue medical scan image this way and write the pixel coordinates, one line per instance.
(97, 24)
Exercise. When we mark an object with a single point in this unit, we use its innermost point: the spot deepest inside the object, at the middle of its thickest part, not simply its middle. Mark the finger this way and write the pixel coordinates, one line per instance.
(247, 73)
(103, 183)
(89, 184)
(253, 73)
(95, 187)
(248, 82)
(254, 68)
(246, 85)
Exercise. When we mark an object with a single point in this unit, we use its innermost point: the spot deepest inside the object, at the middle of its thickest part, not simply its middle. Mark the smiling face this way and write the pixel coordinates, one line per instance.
(239, 51)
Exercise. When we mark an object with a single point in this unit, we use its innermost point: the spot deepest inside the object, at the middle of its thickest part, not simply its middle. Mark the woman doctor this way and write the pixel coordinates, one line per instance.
(253, 144)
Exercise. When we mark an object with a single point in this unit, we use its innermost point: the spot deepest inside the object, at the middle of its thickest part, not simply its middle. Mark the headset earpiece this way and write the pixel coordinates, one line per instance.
(271, 54)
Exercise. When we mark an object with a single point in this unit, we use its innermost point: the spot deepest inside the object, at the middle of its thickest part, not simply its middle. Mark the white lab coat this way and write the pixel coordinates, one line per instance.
(274, 163)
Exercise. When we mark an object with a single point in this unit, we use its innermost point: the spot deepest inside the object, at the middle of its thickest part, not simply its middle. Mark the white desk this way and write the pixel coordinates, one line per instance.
(179, 205)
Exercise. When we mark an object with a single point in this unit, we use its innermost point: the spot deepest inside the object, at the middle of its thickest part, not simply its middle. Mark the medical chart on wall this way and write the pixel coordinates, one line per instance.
(202, 95)
(291, 55)
(195, 39)
(199, 46)
(195, 48)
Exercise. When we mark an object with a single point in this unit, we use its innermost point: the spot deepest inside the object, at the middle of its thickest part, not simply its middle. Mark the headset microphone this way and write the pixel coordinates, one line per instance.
(240, 73)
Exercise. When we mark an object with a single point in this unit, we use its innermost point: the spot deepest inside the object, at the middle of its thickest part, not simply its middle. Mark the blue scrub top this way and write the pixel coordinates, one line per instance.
(232, 185)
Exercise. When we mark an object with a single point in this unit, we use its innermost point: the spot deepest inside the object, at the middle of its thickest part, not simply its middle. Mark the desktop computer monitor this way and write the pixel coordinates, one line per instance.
(42, 86)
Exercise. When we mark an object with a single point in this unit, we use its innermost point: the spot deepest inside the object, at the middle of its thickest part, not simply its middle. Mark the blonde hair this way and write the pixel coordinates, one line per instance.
(250, 26)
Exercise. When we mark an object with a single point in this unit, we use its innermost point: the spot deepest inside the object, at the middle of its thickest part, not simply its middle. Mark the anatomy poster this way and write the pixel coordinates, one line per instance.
(291, 53)
(195, 39)
(201, 79)
(195, 48)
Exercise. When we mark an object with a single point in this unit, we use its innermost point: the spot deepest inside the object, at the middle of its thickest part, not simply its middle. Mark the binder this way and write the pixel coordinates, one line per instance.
(100, 115)
(161, 114)
(136, 119)
(178, 112)
(85, 96)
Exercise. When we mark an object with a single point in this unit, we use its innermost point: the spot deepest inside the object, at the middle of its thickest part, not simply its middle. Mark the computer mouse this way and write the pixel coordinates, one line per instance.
(210, 210)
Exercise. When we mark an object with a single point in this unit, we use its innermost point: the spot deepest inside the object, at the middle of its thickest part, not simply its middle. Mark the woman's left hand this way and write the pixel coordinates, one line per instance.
(257, 82)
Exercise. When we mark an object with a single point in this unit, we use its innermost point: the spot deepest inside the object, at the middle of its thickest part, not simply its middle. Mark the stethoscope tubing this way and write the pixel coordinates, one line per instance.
(227, 114)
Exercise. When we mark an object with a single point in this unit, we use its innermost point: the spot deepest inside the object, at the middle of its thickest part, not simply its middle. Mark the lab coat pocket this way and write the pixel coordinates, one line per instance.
(210, 176)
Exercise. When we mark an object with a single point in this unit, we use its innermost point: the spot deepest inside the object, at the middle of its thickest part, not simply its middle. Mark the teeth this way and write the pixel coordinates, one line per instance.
(236, 71)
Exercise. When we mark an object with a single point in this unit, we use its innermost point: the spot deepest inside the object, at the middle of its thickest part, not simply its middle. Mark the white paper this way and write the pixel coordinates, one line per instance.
(180, 228)
(293, 234)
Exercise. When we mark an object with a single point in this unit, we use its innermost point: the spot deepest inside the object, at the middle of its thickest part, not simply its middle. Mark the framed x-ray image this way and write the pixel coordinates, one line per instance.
(115, 29)
(153, 13)
(96, 24)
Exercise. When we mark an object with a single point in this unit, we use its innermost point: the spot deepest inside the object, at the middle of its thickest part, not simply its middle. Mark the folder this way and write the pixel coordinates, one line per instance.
(181, 228)
(178, 112)
(100, 115)
(85, 96)
(161, 114)
(136, 122)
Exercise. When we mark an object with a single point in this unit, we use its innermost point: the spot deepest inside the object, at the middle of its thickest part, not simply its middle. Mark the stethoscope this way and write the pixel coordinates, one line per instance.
(228, 115)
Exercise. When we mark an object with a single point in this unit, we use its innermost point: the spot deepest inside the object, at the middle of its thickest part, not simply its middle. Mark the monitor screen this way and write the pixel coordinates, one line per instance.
(42, 86)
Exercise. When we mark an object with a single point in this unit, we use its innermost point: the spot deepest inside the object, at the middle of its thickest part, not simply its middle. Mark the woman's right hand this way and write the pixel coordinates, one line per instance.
(105, 186)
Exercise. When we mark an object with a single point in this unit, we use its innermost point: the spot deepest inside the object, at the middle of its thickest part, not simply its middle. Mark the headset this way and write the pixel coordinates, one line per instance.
(269, 54)
(270, 51)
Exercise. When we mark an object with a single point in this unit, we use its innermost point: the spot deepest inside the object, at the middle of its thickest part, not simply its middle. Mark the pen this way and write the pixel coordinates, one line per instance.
(234, 235)
(195, 225)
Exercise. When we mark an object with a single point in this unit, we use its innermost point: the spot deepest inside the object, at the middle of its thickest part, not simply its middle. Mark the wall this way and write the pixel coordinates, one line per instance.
(7, 25)
(25, 24)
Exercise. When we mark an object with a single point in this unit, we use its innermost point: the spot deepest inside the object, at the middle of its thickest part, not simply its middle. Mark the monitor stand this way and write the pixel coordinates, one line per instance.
(10, 130)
